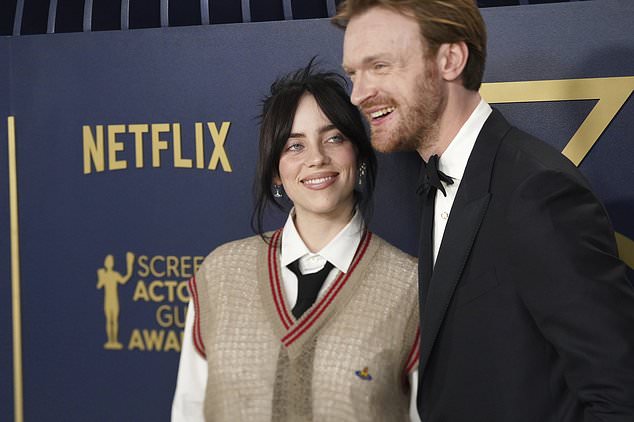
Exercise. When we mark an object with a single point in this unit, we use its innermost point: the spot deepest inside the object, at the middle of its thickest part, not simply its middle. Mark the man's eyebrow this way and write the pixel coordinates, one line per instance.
(370, 59)
(366, 61)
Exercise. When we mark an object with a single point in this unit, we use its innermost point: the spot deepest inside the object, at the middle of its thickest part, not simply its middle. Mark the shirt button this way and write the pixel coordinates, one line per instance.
(444, 215)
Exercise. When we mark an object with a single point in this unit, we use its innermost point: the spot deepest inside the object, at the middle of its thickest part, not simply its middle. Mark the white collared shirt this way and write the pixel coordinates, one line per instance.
(339, 252)
(192, 371)
(453, 163)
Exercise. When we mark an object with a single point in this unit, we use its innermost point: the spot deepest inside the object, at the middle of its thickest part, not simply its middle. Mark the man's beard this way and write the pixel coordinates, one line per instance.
(418, 123)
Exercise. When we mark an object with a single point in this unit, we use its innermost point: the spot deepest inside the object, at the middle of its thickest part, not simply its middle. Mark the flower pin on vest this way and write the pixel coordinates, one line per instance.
(364, 374)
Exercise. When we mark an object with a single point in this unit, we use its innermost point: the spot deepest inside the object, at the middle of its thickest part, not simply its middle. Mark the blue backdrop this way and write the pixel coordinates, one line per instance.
(145, 141)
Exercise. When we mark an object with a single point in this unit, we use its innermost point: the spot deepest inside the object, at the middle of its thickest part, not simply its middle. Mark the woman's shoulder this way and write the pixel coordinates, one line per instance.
(238, 245)
(395, 271)
(240, 249)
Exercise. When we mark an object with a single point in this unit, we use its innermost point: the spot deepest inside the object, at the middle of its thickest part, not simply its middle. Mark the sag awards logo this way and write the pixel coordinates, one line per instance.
(159, 290)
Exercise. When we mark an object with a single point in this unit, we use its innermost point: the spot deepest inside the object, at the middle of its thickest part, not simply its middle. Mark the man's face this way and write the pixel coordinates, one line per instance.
(395, 87)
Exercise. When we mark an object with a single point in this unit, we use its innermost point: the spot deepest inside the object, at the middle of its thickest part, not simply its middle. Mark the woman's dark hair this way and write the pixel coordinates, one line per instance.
(276, 121)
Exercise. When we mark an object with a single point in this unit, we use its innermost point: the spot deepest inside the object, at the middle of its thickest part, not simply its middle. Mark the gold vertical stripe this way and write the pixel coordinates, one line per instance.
(626, 249)
(15, 275)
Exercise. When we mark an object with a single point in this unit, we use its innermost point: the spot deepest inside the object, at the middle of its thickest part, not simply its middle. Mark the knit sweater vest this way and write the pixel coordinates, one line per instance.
(346, 359)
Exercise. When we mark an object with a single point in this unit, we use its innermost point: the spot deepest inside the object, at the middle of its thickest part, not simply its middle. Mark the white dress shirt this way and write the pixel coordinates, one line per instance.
(192, 372)
(453, 162)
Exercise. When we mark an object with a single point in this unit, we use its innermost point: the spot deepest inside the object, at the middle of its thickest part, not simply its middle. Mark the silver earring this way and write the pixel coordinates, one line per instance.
(277, 191)
(363, 167)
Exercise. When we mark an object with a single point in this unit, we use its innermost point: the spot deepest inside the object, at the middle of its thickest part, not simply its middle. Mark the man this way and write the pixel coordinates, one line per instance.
(528, 314)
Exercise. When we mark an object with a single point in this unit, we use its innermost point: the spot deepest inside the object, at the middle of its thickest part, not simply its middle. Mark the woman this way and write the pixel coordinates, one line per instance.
(277, 344)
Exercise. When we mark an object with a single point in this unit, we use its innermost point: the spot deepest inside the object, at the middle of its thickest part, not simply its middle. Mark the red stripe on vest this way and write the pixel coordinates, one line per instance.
(274, 281)
(197, 337)
(414, 354)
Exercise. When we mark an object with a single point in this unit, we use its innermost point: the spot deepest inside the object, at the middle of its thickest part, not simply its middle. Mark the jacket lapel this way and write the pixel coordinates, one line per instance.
(466, 216)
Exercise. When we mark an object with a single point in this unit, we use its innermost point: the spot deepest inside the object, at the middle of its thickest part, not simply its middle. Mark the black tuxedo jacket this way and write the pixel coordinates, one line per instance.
(529, 315)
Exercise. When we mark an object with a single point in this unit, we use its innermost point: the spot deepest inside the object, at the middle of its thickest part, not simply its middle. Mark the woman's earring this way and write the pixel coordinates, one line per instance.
(362, 173)
(277, 191)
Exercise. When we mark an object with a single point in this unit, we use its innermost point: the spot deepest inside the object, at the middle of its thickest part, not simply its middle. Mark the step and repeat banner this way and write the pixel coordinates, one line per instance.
(134, 157)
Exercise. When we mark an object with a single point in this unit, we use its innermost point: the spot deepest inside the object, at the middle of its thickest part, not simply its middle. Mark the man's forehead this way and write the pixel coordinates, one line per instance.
(379, 17)
(366, 25)
(380, 24)
(367, 41)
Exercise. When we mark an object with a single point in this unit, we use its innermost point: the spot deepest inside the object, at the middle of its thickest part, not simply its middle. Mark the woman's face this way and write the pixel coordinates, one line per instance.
(318, 165)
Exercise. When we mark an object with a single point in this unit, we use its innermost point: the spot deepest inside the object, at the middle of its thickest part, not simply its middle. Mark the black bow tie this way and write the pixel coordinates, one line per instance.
(430, 177)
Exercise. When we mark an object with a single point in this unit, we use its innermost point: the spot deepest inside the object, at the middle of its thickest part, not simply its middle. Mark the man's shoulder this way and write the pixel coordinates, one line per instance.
(532, 151)
(521, 155)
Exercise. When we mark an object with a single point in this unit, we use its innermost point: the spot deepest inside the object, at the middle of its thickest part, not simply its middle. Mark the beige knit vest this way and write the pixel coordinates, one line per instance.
(345, 359)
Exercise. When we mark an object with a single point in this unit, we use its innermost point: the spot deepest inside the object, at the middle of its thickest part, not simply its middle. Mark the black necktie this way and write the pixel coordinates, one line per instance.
(429, 184)
(308, 286)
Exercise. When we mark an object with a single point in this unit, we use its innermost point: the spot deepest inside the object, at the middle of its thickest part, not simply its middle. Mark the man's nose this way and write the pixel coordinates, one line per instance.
(362, 89)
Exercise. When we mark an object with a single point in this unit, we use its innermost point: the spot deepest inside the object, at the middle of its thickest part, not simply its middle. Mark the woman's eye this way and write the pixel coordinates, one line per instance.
(294, 147)
(335, 139)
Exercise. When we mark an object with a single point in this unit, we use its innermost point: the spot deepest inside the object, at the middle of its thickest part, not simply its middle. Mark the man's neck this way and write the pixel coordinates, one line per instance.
(460, 105)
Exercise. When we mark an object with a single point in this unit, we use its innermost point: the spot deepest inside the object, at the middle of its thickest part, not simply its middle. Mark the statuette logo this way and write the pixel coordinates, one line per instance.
(109, 280)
